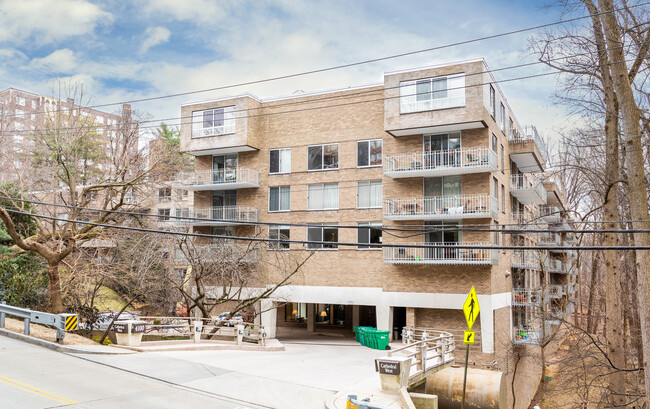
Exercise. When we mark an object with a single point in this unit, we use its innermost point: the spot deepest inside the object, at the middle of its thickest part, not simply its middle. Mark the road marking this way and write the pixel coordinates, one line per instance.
(37, 391)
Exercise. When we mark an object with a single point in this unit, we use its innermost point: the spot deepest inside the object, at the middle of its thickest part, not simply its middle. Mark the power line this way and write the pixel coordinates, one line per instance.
(337, 243)
(373, 60)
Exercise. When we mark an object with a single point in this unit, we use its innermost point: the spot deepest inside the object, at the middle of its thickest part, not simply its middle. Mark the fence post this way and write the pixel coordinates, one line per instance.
(27, 322)
(2, 316)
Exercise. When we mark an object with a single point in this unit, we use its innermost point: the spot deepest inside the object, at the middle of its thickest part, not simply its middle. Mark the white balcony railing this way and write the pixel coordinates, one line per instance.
(221, 179)
(440, 163)
(549, 239)
(526, 296)
(222, 215)
(482, 254)
(528, 134)
(526, 335)
(555, 290)
(525, 259)
(528, 188)
(441, 207)
(553, 266)
(523, 221)
(549, 213)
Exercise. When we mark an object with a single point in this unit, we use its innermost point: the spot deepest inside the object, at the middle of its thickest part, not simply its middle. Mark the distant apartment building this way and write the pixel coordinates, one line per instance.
(432, 163)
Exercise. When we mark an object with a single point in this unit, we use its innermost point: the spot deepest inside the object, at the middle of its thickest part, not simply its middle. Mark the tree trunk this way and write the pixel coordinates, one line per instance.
(54, 287)
(591, 313)
(636, 178)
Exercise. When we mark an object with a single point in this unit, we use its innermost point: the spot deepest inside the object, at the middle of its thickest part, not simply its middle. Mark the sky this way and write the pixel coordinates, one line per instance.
(124, 51)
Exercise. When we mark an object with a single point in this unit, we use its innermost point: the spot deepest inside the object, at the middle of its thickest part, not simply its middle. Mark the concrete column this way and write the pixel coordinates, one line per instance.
(311, 318)
(385, 319)
(355, 316)
(486, 317)
(268, 317)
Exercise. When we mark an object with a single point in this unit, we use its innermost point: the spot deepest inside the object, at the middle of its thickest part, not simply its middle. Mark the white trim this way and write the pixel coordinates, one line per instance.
(322, 157)
(382, 153)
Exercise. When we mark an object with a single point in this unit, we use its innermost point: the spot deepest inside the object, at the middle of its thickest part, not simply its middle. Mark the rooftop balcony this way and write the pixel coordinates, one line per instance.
(218, 216)
(528, 189)
(237, 178)
(550, 213)
(440, 163)
(527, 149)
(481, 255)
(525, 259)
(441, 207)
(523, 297)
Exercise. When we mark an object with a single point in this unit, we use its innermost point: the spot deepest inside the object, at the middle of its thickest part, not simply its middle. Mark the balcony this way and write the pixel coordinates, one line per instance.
(523, 221)
(219, 216)
(526, 335)
(550, 213)
(554, 266)
(549, 239)
(237, 178)
(441, 207)
(555, 291)
(440, 163)
(528, 189)
(481, 255)
(523, 297)
(527, 149)
(524, 259)
(226, 250)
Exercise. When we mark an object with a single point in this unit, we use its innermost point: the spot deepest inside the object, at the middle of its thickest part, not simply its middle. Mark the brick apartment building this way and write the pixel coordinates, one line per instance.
(435, 148)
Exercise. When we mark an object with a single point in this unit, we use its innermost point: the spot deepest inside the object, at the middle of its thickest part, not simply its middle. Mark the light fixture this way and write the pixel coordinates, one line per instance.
(323, 314)
(295, 312)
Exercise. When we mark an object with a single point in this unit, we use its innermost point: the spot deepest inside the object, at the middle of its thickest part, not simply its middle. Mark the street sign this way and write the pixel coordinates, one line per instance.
(388, 367)
(471, 308)
(469, 337)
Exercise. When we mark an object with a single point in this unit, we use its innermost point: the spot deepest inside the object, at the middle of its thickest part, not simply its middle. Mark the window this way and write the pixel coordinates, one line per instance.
(33, 104)
(427, 94)
(503, 160)
(496, 233)
(212, 122)
(18, 139)
(369, 153)
(164, 194)
(20, 101)
(495, 190)
(295, 311)
(510, 125)
(280, 160)
(369, 193)
(323, 196)
(492, 102)
(182, 194)
(322, 232)
(279, 198)
(163, 214)
(280, 233)
(131, 196)
(321, 157)
(502, 117)
(182, 212)
(369, 235)
(494, 143)
(503, 198)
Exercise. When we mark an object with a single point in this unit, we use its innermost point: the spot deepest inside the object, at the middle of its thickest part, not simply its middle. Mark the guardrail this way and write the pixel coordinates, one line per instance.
(461, 160)
(184, 327)
(482, 254)
(62, 322)
(236, 176)
(441, 207)
(431, 352)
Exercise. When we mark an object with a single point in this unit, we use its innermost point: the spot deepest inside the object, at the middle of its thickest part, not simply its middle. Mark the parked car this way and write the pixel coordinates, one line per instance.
(236, 317)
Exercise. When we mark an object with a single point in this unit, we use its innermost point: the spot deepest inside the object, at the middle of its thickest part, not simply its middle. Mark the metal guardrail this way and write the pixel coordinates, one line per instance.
(432, 351)
(62, 322)
(354, 402)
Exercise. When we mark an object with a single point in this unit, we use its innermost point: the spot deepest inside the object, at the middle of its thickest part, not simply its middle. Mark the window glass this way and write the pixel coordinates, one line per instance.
(280, 160)
(362, 153)
(274, 161)
(369, 193)
(322, 232)
(369, 235)
(315, 157)
(323, 196)
(279, 198)
(279, 232)
(440, 88)
(331, 156)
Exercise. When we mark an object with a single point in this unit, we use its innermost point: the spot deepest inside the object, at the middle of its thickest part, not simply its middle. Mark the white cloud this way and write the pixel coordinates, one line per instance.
(48, 21)
(153, 37)
(200, 11)
(60, 61)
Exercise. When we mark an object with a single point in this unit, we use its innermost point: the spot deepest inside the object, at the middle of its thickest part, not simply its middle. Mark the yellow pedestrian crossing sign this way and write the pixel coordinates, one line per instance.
(469, 337)
(471, 308)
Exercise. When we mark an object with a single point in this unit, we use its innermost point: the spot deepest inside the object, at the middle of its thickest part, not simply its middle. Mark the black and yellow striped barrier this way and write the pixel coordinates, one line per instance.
(71, 322)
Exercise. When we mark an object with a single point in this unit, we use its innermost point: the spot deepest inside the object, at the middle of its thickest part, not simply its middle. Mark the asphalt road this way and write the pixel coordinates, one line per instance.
(35, 377)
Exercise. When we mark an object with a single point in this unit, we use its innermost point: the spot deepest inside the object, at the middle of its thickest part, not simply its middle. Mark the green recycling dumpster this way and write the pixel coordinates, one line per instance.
(371, 340)
(364, 334)
(381, 339)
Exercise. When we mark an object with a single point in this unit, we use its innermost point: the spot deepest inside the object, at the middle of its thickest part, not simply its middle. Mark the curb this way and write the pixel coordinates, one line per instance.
(72, 349)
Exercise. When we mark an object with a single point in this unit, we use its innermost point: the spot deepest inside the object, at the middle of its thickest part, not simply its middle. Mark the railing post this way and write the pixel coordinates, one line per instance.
(2, 316)
(27, 322)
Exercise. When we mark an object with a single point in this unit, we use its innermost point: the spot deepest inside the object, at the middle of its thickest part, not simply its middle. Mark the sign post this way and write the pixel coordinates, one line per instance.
(471, 310)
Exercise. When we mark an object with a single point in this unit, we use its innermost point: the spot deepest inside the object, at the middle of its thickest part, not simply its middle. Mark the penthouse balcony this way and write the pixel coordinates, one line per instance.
(524, 297)
(481, 255)
(218, 216)
(527, 149)
(441, 207)
(440, 163)
(528, 189)
(550, 213)
(524, 259)
(238, 178)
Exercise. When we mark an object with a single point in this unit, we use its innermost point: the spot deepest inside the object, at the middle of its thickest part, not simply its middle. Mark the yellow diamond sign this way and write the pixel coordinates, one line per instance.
(471, 308)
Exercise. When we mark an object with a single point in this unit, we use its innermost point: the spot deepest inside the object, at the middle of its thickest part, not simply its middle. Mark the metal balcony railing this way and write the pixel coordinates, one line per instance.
(555, 290)
(482, 254)
(224, 178)
(441, 207)
(220, 215)
(526, 335)
(528, 134)
(553, 266)
(526, 296)
(549, 239)
(524, 259)
(549, 213)
(525, 182)
(447, 162)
